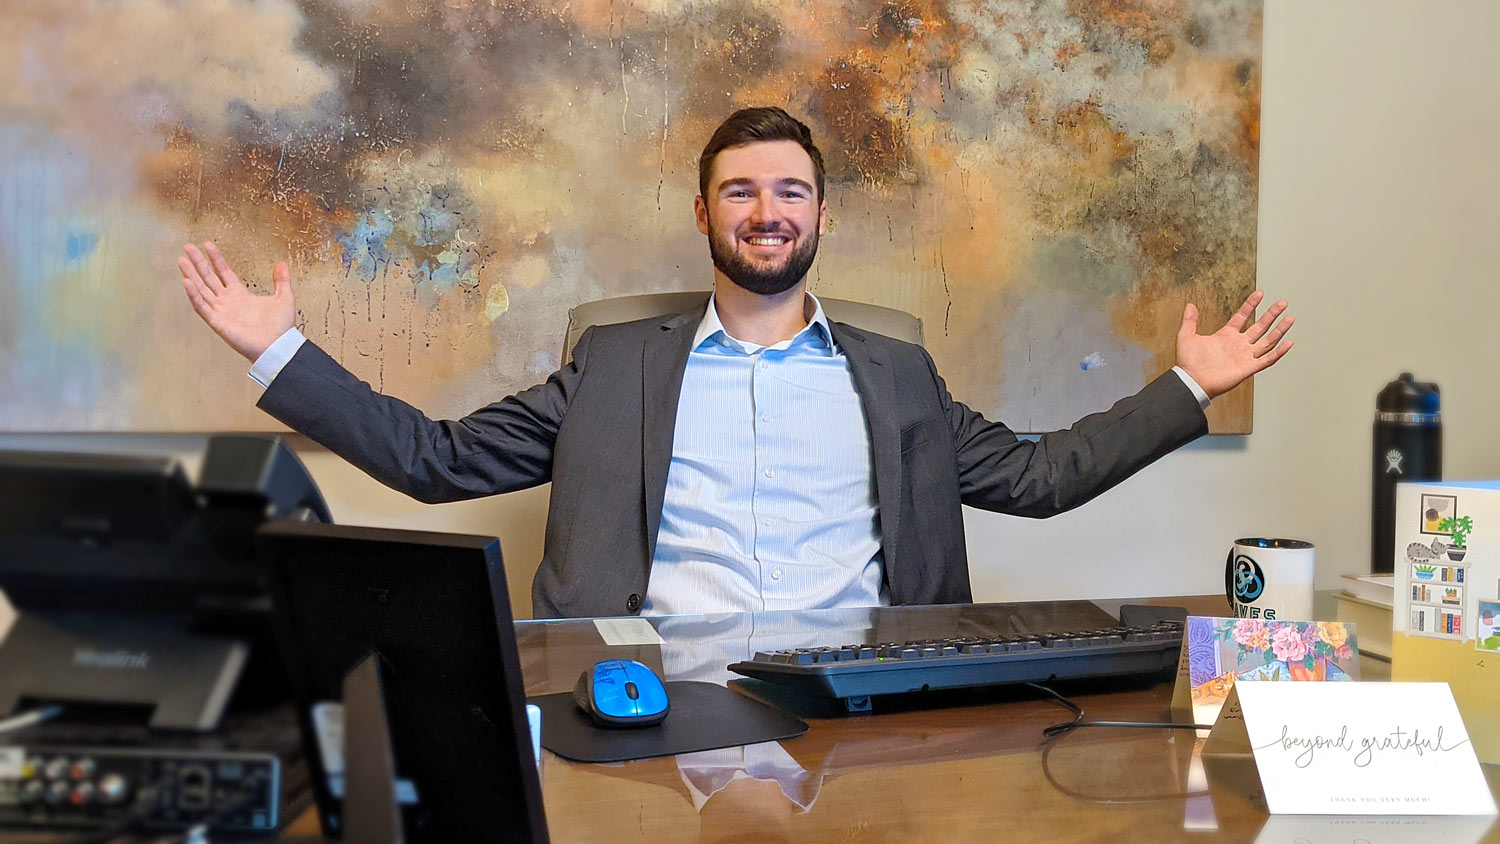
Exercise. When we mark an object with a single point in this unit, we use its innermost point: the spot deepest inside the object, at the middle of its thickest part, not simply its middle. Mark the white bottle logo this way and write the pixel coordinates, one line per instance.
(1393, 460)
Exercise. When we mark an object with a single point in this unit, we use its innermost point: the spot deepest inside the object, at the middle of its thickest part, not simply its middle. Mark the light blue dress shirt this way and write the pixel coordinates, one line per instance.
(770, 500)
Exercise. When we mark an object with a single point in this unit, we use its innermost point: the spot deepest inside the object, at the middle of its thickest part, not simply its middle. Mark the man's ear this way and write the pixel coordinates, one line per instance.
(823, 218)
(700, 211)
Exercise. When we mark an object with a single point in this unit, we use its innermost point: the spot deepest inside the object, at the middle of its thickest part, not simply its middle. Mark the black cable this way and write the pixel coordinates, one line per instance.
(200, 829)
(1057, 731)
(123, 826)
(29, 719)
(1066, 727)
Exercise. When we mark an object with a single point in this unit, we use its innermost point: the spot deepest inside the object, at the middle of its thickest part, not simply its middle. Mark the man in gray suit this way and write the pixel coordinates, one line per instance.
(750, 455)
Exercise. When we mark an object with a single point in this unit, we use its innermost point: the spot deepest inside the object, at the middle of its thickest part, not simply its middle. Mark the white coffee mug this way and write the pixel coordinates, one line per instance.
(1270, 579)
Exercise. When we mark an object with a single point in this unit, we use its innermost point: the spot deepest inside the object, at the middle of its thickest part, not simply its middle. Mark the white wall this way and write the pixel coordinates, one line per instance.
(1378, 222)
(1378, 216)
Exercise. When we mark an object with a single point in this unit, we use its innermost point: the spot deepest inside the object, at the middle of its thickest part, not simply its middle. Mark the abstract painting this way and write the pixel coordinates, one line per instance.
(1045, 183)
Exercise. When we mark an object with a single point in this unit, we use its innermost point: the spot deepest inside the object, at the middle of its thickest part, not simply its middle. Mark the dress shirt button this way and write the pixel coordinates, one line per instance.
(766, 419)
(769, 522)
(775, 574)
(764, 366)
(633, 603)
(770, 473)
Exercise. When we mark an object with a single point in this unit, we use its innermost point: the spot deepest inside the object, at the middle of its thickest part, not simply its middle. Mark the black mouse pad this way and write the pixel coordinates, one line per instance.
(704, 716)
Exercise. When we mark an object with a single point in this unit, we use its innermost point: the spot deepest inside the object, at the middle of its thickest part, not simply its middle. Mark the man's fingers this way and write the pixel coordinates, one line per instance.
(221, 266)
(189, 272)
(201, 302)
(1269, 342)
(1247, 310)
(194, 282)
(1262, 325)
(205, 270)
(1274, 355)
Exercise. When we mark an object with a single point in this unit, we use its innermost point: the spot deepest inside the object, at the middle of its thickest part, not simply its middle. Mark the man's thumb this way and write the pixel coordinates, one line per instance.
(282, 278)
(1189, 321)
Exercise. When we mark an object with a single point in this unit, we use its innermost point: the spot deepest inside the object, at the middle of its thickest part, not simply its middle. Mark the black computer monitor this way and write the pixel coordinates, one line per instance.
(434, 610)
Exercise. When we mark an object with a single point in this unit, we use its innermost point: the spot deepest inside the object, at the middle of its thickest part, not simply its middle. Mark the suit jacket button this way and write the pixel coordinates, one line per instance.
(633, 603)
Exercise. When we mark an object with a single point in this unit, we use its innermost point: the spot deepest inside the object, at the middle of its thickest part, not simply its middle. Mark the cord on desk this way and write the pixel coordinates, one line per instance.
(29, 719)
(1057, 731)
(124, 826)
(1066, 727)
(198, 832)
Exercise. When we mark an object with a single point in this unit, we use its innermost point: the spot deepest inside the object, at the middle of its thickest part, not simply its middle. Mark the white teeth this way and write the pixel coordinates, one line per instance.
(765, 241)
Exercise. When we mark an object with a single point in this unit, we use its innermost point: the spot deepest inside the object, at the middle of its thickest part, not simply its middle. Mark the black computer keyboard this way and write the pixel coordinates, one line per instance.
(855, 673)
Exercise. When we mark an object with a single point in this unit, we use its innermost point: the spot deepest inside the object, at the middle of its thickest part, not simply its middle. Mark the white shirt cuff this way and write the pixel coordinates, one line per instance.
(276, 356)
(1191, 385)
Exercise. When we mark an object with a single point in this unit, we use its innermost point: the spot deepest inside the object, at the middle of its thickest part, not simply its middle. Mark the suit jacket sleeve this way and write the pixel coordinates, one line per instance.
(502, 447)
(1064, 469)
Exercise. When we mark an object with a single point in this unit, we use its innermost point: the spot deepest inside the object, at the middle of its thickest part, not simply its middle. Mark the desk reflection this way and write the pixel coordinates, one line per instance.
(976, 769)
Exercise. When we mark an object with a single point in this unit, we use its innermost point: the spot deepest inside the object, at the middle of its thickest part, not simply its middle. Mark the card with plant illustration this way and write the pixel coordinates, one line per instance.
(1487, 630)
(1218, 652)
(1447, 597)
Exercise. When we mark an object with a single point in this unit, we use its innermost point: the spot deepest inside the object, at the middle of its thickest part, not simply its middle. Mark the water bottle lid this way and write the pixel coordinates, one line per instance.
(1406, 395)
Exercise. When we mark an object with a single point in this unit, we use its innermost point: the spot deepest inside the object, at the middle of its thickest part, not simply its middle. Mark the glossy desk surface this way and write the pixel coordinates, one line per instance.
(976, 769)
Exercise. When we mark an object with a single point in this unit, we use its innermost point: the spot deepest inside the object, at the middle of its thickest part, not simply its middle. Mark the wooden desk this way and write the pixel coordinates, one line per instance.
(976, 770)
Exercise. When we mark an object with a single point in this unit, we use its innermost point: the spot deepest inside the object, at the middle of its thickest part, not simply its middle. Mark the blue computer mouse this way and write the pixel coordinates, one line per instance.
(621, 693)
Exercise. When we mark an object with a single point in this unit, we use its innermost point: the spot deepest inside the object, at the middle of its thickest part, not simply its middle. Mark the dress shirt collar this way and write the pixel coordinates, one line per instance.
(812, 311)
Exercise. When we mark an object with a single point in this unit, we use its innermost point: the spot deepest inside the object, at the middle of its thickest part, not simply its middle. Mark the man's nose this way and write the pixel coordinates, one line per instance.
(764, 214)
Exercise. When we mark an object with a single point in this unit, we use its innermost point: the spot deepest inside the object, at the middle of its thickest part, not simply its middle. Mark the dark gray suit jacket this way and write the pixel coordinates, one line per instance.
(600, 429)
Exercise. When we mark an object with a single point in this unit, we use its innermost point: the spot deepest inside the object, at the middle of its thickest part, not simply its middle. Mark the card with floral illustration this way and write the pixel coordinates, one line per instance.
(1218, 652)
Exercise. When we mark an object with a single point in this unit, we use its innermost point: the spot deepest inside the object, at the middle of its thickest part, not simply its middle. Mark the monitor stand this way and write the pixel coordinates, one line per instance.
(121, 659)
(371, 811)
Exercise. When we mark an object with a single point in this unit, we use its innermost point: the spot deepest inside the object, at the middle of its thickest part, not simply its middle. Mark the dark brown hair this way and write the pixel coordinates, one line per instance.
(749, 125)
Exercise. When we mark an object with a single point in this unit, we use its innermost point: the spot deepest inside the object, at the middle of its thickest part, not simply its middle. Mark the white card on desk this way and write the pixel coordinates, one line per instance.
(626, 631)
(1361, 749)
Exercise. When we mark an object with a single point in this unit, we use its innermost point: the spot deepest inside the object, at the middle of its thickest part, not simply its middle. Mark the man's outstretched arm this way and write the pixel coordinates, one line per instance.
(1065, 469)
(502, 447)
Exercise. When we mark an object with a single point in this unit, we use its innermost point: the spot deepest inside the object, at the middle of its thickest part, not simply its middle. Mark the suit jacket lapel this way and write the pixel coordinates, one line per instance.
(877, 392)
(663, 360)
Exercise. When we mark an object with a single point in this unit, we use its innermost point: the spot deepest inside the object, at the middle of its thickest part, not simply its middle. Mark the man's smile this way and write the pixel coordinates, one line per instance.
(767, 243)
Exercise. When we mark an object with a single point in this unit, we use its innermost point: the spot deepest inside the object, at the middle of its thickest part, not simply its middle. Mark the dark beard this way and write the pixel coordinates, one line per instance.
(763, 282)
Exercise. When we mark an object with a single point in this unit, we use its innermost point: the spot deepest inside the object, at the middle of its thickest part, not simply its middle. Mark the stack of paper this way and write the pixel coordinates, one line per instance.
(1367, 600)
(1379, 588)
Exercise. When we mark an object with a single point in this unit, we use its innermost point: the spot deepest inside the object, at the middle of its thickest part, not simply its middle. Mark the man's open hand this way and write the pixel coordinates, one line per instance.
(247, 321)
(1221, 360)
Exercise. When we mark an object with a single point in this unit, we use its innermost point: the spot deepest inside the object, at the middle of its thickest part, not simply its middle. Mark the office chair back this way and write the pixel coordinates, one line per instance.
(876, 318)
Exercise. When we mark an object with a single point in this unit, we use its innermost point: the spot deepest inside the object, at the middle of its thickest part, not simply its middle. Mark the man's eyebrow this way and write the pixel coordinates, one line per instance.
(746, 182)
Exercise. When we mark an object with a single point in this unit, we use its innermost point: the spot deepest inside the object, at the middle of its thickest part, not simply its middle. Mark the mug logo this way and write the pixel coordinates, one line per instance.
(1249, 580)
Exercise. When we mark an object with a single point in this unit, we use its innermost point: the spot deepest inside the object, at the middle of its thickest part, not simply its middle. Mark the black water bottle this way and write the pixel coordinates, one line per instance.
(1408, 447)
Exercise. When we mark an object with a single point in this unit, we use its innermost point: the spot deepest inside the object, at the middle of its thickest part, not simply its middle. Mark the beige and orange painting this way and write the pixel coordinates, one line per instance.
(1044, 183)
